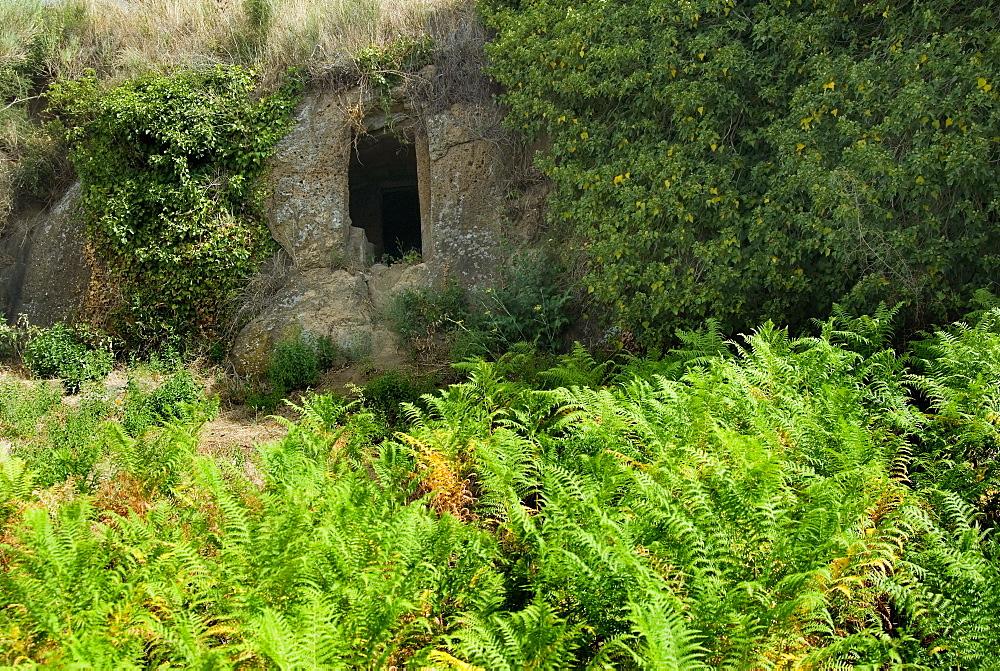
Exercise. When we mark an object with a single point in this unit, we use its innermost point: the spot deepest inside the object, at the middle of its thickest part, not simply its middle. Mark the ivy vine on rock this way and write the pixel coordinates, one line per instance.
(170, 169)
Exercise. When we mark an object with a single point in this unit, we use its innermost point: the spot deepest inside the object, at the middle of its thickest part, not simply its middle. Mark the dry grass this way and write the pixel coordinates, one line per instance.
(124, 38)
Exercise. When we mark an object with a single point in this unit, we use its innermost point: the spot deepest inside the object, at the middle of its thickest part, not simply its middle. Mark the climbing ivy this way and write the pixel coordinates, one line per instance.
(751, 159)
(170, 167)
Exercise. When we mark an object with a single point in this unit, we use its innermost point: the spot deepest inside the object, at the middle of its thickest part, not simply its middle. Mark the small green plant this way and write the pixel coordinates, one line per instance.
(296, 363)
(177, 397)
(21, 405)
(422, 317)
(59, 352)
(385, 393)
(261, 398)
(410, 257)
(293, 365)
(327, 352)
(69, 445)
(528, 303)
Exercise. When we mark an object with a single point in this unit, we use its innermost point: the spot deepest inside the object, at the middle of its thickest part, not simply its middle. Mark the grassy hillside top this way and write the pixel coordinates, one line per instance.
(121, 38)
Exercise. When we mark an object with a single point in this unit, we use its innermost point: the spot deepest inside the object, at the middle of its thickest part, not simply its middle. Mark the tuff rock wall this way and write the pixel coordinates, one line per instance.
(325, 280)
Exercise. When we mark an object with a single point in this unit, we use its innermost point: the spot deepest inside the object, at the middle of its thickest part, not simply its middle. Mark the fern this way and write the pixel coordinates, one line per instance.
(768, 502)
(533, 638)
(579, 368)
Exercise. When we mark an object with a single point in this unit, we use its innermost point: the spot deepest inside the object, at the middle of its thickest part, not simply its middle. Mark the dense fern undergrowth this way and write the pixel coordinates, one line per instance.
(772, 502)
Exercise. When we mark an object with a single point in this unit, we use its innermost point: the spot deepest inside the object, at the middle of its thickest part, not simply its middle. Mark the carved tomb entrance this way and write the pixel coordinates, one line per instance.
(385, 194)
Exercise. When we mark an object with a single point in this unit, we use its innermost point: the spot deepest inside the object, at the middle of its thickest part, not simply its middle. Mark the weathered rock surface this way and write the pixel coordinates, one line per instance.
(334, 289)
(467, 175)
(338, 304)
(45, 276)
(307, 208)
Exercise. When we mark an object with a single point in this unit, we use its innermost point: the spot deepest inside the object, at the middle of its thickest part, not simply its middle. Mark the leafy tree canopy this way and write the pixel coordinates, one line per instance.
(750, 159)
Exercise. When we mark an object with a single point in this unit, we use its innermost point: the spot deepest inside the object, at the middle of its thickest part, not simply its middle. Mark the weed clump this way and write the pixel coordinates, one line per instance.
(177, 397)
(386, 393)
(295, 364)
(420, 316)
(59, 352)
(525, 304)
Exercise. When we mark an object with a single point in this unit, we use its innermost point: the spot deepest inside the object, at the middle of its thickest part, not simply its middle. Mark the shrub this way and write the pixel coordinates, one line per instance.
(762, 160)
(293, 365)
(297, 362)
(385, 393)
(58, 352)
(419, 316)
(327, 353)
(528, 304)
(21, 405)
(71, 445)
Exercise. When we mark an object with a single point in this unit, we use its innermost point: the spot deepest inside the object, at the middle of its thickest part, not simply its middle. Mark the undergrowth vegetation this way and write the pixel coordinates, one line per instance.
(527, 302)
(770, 502)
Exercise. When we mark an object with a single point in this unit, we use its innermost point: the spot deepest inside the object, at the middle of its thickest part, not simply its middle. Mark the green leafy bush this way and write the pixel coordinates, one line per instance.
(384, 394)
(59, 352)
(294, 364)
(169, 167)
(529, 303)
(53, 350)
(327, 352)
(71, 445)
(420, 315)
(178, 396)
(755, 159)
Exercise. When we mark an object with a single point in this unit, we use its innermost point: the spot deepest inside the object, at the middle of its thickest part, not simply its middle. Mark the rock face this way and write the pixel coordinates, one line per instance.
(44, 273)
(458, 173)
(365, 202)
(345, 156)
(307, 209)
(342, 305)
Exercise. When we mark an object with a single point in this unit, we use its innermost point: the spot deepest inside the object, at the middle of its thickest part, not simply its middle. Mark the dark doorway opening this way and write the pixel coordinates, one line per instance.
(385, 199)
